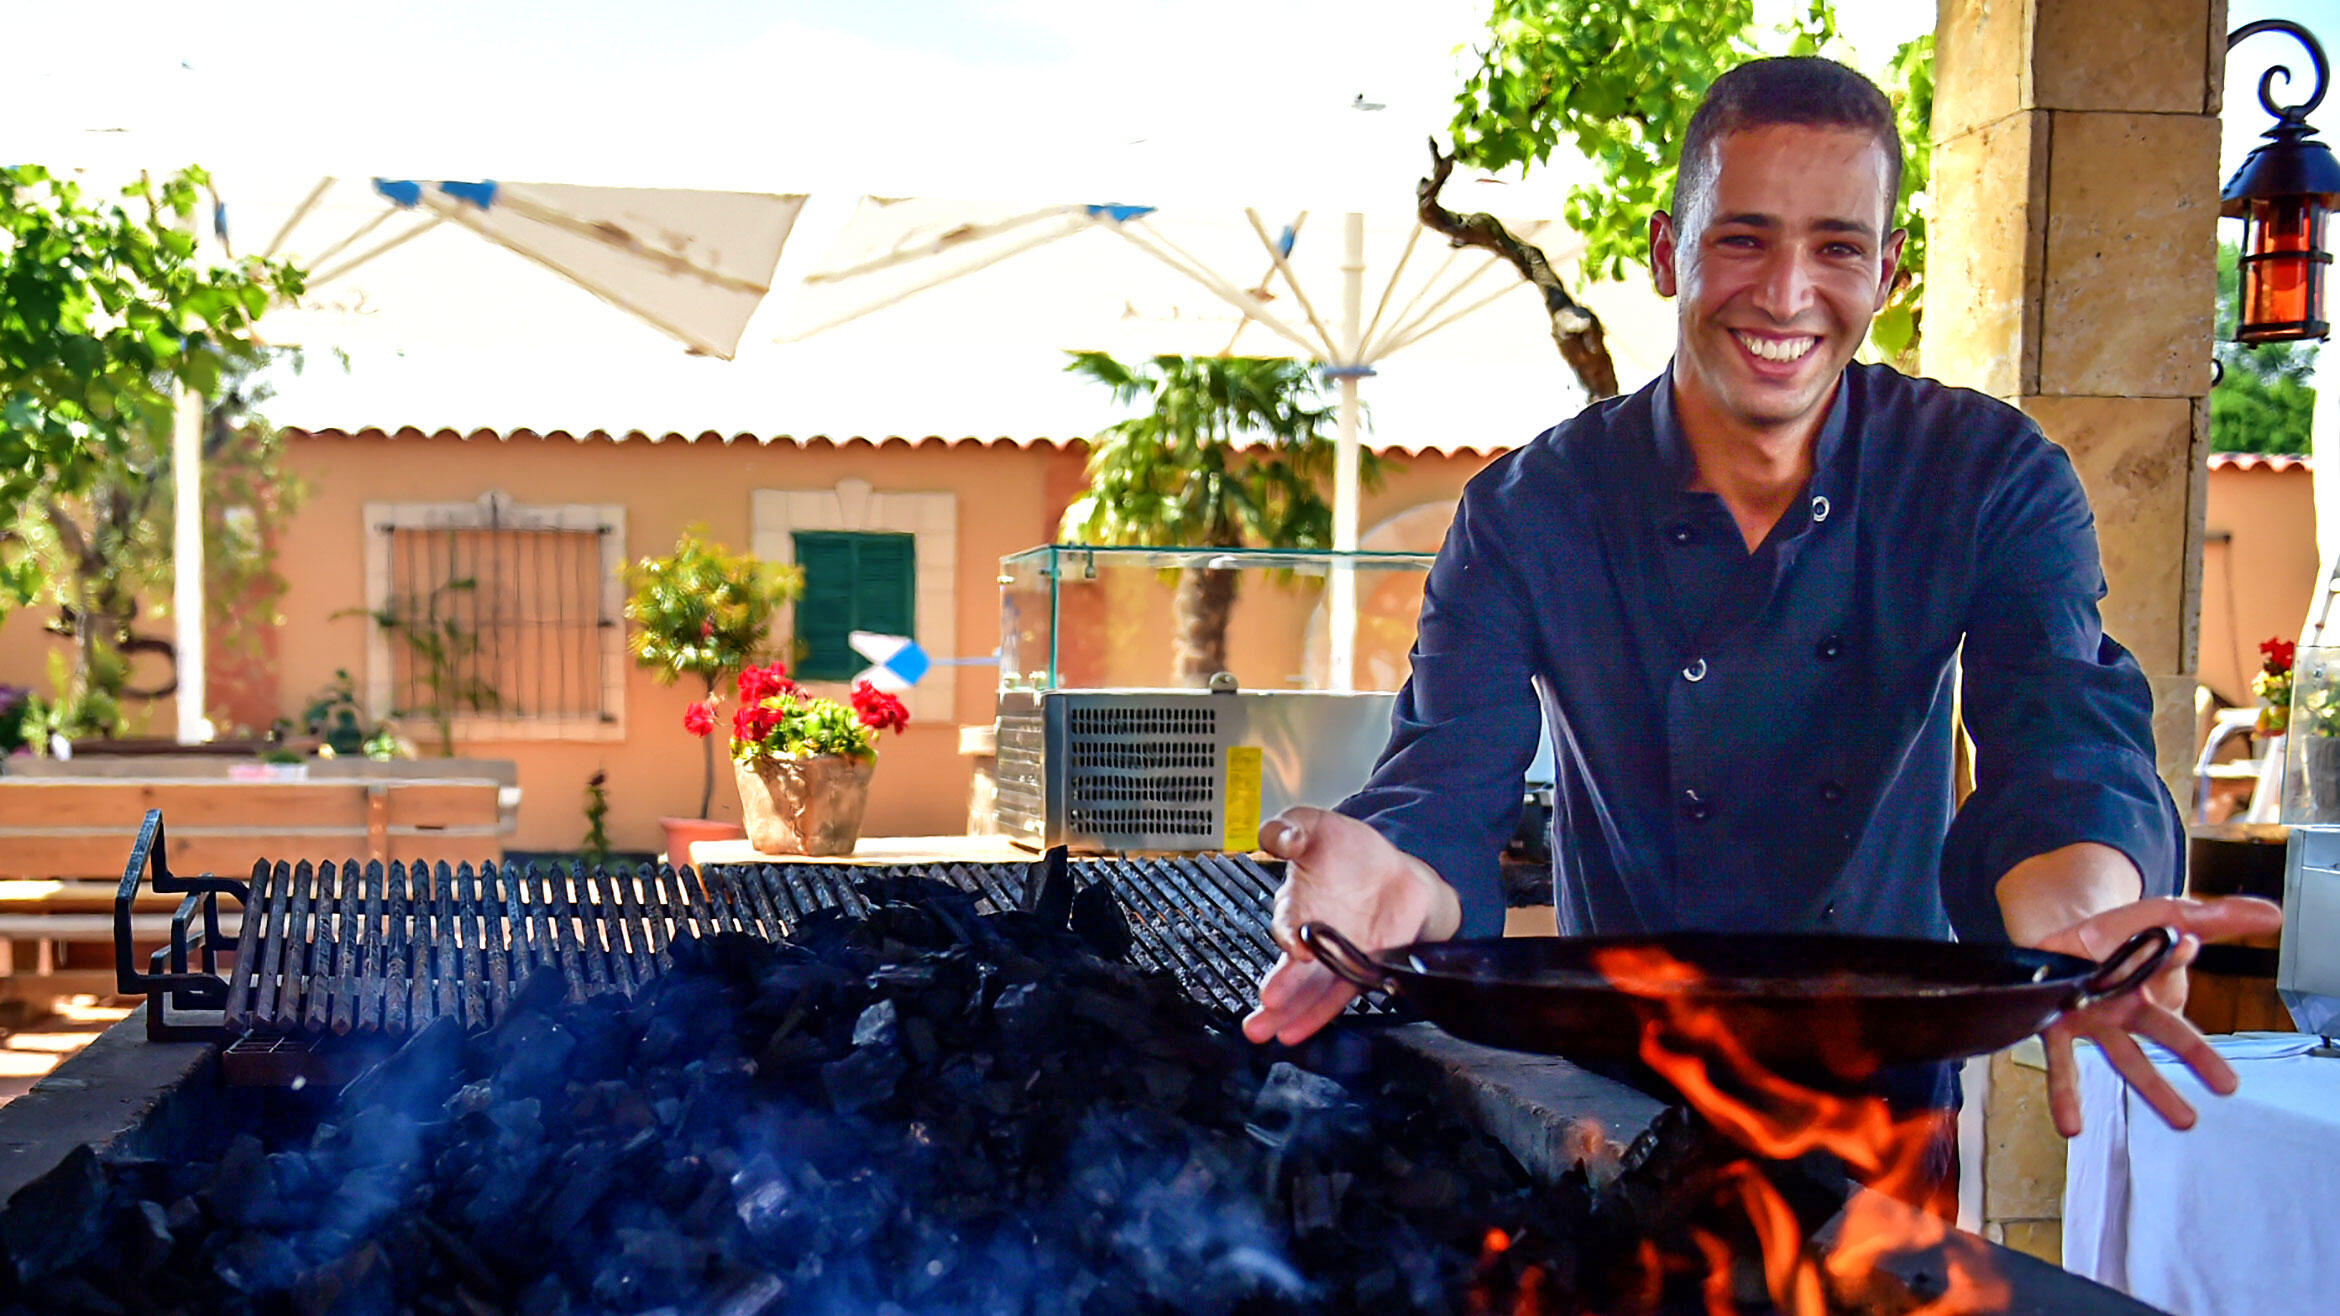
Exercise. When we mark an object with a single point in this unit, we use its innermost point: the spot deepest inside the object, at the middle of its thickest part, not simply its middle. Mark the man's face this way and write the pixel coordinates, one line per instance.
(1780, 261)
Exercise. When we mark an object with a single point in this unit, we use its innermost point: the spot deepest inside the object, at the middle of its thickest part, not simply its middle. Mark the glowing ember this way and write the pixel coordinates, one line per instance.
(1693, 1048)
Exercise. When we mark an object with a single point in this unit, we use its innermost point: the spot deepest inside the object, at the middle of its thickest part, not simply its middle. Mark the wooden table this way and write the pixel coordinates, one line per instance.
(875, 850)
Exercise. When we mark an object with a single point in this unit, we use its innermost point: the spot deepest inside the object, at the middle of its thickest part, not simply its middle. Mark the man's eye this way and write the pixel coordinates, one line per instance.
(1736, 240)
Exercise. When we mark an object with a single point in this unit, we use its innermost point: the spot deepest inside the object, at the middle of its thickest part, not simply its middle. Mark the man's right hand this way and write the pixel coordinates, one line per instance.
(1342, 873)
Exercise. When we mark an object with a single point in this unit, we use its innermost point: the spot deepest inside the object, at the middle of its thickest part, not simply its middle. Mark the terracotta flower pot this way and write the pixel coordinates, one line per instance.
(682, 833)
(805, 806)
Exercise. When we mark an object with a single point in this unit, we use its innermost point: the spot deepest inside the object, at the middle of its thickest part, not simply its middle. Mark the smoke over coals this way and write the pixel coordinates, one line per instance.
(924, 1111)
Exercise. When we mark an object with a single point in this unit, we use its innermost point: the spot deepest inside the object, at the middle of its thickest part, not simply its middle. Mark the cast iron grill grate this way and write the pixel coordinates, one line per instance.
(387, 948)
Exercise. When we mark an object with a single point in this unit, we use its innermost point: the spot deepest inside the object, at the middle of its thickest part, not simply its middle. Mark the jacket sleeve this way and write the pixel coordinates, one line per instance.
(2061, 715)
(1448, 787)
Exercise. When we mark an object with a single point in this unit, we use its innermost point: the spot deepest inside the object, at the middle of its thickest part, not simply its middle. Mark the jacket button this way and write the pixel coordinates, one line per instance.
(1696, 671)
(1828, 912)
(1696, 806)
(1819, 508)
(1829, 648)
(1680, 534)
(1832, 791)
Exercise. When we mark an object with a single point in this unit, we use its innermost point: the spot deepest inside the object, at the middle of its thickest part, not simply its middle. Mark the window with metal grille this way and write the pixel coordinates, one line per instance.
(504, 616)
(853, 581)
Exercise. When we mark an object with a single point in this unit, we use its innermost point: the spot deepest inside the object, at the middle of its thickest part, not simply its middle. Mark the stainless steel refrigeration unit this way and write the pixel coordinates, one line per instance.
(1100, 747)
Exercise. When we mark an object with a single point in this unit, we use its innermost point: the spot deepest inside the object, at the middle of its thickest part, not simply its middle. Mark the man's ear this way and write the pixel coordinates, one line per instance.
(1892, 265)
(1661, 251)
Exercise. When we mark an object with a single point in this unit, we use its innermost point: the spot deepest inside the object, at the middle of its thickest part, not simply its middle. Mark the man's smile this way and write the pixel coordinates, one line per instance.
(1771, 347)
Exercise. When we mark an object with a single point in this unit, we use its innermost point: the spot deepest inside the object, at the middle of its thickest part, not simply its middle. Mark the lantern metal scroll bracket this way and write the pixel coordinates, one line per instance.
(2283, 193)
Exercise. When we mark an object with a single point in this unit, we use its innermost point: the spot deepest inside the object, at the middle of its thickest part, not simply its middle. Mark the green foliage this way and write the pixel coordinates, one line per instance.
(335, 716)
(1909, 81)
(703, 609)
(106, 311)
(2264, 400)
(1232, 451)
(1618, 80)
(441, 650)
(807, 726)
(596, 847)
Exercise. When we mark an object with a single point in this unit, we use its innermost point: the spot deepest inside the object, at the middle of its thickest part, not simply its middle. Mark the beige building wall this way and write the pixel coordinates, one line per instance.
(1001, 498)
(2258, 565)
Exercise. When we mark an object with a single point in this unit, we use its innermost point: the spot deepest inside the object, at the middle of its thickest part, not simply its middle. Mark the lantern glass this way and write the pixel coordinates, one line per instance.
(2283, 266)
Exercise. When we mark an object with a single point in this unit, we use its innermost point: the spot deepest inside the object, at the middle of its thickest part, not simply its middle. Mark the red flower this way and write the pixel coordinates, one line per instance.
(758, 683)
(707, 629)
(754, 722)
(2279, 654)
(699, 718)
(878, 710)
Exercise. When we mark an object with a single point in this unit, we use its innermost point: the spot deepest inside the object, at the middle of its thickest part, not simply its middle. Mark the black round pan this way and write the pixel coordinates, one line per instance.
(1797, 1003)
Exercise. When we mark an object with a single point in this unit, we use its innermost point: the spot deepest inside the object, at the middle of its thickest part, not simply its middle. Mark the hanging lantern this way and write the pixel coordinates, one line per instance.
(2284, 193)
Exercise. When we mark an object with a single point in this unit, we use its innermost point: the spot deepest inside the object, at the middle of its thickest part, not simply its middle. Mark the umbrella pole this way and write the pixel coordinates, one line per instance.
(187, 563)
(187, 614)
(1342, 631)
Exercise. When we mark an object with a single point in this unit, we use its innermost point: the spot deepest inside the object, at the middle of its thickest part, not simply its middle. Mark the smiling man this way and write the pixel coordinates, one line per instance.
(1742, 601)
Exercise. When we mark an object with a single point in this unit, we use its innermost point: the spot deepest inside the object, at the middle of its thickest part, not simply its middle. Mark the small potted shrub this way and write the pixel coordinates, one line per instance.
(803, 763)
(705, 612)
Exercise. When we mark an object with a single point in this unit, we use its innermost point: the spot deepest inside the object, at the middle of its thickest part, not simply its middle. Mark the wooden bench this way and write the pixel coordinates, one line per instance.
(64, 842)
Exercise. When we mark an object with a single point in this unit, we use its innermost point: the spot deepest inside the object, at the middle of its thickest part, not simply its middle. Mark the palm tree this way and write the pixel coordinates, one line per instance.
(1230, 455)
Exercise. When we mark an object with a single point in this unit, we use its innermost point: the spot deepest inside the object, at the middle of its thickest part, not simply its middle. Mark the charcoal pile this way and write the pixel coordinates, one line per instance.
(923, 1111)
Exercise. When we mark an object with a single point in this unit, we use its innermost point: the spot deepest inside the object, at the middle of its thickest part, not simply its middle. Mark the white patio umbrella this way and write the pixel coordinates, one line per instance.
(693, 264)
(1197, 280)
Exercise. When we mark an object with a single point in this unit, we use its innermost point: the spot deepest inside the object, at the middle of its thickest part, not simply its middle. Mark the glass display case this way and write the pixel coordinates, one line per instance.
(1158, 699)
(1080, 617)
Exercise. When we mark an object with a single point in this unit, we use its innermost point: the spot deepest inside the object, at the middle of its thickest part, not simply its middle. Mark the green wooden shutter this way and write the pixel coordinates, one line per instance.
(852, 582)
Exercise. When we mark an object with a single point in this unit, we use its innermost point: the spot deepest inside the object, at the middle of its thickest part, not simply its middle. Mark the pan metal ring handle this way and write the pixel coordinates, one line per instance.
(1341, 955)
(2128, 968)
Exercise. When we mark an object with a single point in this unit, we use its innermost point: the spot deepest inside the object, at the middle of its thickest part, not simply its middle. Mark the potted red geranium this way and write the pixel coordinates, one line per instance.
(803, 763)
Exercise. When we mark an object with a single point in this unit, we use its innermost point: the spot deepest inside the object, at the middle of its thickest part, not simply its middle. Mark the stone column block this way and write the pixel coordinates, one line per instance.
(2176, 735)
(2142, 55)
(1982, 66)
(2135, 457)
(2131, 255)
(1984, 262)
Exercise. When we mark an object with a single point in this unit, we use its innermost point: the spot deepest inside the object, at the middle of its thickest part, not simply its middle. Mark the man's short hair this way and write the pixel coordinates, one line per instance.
(1800, 89)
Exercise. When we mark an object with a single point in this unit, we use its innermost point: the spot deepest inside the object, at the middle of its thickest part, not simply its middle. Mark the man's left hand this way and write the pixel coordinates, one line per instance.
(2151, 1012)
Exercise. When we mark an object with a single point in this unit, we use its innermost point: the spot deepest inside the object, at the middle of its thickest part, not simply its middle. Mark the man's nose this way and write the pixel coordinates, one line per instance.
(1786, 286)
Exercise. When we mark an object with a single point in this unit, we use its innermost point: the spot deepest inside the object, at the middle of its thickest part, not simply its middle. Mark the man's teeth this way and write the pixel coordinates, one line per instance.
(1778, 349)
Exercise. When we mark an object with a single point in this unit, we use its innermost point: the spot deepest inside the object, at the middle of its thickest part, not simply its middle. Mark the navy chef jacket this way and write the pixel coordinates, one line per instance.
(1762, 741)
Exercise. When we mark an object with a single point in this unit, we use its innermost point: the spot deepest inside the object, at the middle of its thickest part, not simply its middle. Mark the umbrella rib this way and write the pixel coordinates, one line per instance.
(353, 262)
(1229, 350)
(689, 336)
(380, 218)
(300, 212)
(1410, 330)
(610, 235)
(956, 237)
(1169, 254)
(1284, 267)
(849, 317)
(1474, 308)
(1389, 289)
(1374, 351)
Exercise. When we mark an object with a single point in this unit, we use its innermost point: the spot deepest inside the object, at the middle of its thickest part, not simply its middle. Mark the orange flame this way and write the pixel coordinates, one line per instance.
(1687, 1042)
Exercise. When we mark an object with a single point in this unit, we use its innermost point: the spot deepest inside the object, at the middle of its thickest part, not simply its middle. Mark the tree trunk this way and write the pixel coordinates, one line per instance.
(1576, 330)
(1203, 604)
(707, 759)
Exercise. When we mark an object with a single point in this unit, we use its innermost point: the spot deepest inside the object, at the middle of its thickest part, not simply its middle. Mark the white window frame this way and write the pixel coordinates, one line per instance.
(854, 506)
(491, 510)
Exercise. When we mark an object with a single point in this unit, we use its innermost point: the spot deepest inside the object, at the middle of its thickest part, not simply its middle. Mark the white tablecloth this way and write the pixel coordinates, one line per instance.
(2238, 1216)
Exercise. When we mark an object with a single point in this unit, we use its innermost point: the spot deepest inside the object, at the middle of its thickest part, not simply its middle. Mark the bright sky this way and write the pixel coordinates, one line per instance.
(1075, 99)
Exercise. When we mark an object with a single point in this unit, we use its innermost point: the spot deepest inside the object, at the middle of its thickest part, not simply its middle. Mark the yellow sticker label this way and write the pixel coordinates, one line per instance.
(1242, 795)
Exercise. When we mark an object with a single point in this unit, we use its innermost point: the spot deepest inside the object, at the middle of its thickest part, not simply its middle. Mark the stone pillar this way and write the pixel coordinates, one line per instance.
(2072, 272)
